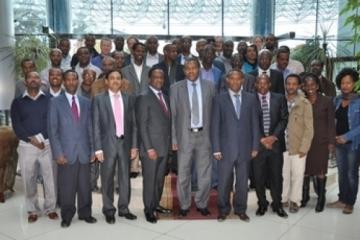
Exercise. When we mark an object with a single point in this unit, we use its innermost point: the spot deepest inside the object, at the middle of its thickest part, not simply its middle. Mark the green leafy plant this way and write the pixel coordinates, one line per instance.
(352, 7)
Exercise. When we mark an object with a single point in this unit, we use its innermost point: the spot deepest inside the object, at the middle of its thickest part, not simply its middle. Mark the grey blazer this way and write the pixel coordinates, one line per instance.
(67, 138)
(153, 124)
(181, 112)
(104, 124)
(137, 86)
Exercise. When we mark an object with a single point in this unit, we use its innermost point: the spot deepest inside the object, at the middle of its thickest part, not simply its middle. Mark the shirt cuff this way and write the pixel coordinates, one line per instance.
(99, 152)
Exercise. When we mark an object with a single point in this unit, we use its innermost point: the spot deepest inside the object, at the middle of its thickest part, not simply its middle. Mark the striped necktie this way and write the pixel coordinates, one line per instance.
(265, 114)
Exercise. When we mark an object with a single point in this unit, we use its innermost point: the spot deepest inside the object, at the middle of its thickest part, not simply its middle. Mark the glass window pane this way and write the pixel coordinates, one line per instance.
(237, 18)
(91, 16)
(140, 17)
(29, 16)
(195, 17)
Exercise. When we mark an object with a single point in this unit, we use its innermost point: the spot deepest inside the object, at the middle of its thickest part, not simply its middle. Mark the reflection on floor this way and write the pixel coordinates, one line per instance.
(306, 224)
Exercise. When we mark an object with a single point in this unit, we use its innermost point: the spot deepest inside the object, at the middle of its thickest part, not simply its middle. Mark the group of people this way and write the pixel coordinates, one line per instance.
(223, 119)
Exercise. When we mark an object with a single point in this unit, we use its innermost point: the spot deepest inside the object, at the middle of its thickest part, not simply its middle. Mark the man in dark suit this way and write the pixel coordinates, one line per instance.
(269, 161)
(235, 136)
(115, 143)
(276, 77)
(191, 104)
(173, 71)
(70, 134)
(153, 122)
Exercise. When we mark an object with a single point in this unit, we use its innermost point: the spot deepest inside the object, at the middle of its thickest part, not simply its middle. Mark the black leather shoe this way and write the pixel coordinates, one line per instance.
(243, 217)
(203, 211)
(150, 217)
(163, 210)
(110, 219)
(280, 212)
(89, 219)
(261, 211)
(128, 216)
(65, 224)
(221, 217)
(134, 174)
(183, 212)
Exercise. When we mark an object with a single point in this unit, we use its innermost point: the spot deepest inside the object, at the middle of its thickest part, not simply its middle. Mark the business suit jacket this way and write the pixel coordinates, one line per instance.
(153, 124)
(278, 120)
(181, 112)
(137, 86)
(175, 75)
(69, 139)
(104, 124)
(231, 136)
(276, 79)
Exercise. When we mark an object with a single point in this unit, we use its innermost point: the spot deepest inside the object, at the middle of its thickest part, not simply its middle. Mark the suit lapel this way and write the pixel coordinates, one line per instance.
(133, 73)
(108, 107)
(185, 93)
(157, 103)
(231, 104)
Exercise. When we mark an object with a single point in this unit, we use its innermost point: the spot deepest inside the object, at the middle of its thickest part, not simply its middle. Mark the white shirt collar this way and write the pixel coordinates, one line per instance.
(26, 94)
(55, 94)
(232, 93)
(156, 92)
(111, 93)
(262, 70)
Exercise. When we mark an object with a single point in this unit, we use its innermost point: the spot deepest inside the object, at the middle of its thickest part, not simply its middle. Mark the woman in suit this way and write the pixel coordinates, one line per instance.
(322, 143)
(347, 116)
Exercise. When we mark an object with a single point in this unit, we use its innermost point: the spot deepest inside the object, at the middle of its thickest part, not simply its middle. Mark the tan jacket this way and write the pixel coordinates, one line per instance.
(300, 126)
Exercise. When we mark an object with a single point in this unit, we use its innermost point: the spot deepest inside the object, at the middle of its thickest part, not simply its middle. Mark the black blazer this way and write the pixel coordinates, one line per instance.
(153, 124)
(276, 79)
(278, 119)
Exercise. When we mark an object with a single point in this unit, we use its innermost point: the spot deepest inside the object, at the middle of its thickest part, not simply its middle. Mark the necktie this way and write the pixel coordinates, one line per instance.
(74, 110)
(195, 106)
(118, 115)
(237, 105)
(266, 115)
(162, 104)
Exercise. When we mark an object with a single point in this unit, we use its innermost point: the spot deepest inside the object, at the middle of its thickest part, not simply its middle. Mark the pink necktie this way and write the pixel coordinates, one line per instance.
(118, 117)
(74, 110)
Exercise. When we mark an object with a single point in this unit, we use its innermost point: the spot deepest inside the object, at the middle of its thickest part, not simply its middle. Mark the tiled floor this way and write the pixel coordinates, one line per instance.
(330, 224)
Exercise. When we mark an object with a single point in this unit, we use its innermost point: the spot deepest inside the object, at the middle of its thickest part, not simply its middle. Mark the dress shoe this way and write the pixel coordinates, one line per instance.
(150, 217)
(65, 224)
(243, 217)
(280, 212)
(183, 212)
(348, 209)
(32, 218)
(53, 216)
(163, 210)
(336, 204)
(110, 219)
(134, 174)
(221, 217)
(294, 208)
(2, 197)
(89, 219)
(128, 216)
(203, 211)
(261, 211)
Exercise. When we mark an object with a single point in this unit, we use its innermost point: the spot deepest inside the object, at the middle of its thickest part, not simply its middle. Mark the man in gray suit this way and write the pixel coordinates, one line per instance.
(115, 143)
(137, 73)
(70, 134)
(235, 135)
(191, 103)
(153, 122)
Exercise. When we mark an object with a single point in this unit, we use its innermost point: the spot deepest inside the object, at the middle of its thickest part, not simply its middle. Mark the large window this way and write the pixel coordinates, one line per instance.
(29, 16)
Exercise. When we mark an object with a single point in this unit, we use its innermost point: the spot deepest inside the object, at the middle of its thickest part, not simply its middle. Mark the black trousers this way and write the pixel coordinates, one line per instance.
(74, 179)
(153, 172)
(268, 168)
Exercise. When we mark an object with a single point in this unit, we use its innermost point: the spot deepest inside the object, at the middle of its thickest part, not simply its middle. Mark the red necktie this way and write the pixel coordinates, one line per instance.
(162, 104)
(74, 110)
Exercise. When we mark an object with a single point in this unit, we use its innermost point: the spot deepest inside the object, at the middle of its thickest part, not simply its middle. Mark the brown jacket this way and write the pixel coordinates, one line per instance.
(300, 126)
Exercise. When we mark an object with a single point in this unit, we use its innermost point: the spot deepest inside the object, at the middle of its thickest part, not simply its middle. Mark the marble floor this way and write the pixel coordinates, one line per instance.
(306, 224)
